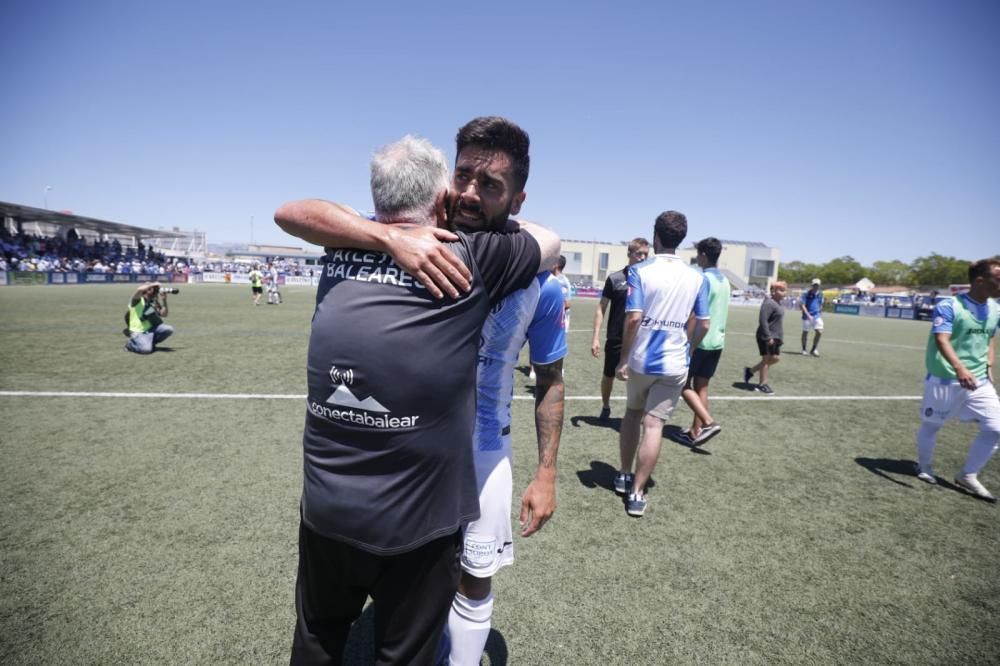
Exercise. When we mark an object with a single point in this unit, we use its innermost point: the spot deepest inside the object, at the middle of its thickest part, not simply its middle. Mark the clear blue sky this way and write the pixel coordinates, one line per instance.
(823, 128)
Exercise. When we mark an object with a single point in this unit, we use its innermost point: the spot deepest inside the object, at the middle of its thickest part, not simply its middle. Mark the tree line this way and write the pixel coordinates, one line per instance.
(934, 270)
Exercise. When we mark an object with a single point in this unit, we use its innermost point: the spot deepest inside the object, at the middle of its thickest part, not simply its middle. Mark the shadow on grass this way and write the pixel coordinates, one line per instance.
(880, 467)
(165, 349)
(360, 647)
(885, 466)
(673, 432)
(611, 424)
(745, 386)
(602, 475)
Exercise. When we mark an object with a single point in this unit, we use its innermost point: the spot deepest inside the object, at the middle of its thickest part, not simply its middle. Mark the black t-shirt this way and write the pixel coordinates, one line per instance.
(392, 394)
(616, 291)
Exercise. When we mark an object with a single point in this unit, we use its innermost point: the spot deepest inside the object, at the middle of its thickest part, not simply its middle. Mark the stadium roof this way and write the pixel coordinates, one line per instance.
(30, 214)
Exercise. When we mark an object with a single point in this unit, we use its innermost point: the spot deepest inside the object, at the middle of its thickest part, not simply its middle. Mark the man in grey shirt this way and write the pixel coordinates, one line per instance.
(388, 474)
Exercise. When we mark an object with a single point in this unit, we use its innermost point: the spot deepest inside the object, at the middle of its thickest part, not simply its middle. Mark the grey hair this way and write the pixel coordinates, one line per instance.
(406, 178)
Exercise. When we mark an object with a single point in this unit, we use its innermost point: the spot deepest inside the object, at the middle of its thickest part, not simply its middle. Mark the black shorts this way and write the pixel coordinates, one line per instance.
(769, 350)
(704, 362)
(257, 290)
(612, 356)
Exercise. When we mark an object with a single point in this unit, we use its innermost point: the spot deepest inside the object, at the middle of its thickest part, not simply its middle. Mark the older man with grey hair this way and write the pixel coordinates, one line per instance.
(389, 479)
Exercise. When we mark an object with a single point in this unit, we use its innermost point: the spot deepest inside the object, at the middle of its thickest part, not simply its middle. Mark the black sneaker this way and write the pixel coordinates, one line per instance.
(605, 414)
(747, 375)
(764, 388)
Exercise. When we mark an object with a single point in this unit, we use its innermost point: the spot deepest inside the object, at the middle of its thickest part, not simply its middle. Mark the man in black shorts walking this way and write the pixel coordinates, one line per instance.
(615, 292)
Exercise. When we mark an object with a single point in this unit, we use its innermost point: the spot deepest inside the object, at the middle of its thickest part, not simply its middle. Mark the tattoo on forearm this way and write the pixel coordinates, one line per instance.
(550, 398)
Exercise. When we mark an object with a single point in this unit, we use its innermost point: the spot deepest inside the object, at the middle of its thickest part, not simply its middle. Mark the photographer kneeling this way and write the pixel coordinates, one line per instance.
(145, 318)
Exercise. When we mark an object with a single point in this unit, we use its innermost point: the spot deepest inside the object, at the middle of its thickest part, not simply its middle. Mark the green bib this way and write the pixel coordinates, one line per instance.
(718, 310)
(970, 338)
(136, 323)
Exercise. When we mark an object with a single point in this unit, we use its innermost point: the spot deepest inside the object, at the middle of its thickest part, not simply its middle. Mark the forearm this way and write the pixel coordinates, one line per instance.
(700, 331)
(598, 322)
(550, 397)
(331, 225)
(548, 243)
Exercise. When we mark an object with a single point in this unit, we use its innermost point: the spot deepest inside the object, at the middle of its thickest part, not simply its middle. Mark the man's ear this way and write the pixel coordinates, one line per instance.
(441, 209)
(515, 206)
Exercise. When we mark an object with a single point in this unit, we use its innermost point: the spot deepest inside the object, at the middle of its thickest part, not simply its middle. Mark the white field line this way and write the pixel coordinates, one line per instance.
(287, 396)
(825, 339)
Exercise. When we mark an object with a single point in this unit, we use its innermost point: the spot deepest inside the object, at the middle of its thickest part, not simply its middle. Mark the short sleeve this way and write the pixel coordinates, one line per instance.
(634, 300)
(943, 317)
(506, 261)
(546, 333)
(609, 288)
(702, 302)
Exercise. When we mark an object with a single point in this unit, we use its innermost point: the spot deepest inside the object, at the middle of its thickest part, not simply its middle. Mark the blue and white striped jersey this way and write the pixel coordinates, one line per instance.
(533, 314)
(666, 291)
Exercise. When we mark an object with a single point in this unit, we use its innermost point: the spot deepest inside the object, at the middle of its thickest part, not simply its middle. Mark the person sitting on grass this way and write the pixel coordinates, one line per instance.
(769, 336)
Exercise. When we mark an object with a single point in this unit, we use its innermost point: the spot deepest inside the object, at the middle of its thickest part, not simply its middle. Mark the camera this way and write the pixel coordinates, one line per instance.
(170, 290)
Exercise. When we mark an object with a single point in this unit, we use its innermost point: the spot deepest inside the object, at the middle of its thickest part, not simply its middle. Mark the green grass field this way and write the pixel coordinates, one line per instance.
(163, 529)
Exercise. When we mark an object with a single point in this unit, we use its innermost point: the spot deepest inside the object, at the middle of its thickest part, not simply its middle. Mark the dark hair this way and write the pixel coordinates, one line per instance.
(562, 262)
(670, 229)
(982, 268)
(496, 133)
(711, 247)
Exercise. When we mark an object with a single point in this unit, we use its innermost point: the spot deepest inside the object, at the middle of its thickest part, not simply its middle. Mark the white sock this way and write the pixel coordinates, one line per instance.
(926, 438)
(469, 627)
(980, 450)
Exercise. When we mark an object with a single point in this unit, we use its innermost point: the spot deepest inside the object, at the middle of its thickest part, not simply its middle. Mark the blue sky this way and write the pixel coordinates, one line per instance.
(822, 128)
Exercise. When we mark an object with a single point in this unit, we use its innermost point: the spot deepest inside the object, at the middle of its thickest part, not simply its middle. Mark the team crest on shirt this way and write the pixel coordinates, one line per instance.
(928, 411)
(938, 321)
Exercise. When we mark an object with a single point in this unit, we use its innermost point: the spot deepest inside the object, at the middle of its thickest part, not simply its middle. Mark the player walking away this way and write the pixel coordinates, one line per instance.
(705, 358)
(567, 289)
(273, 292)
(961, 350)
(812, 316)
(256, 284)
(770, 333)
(615, 291)
(663, 292)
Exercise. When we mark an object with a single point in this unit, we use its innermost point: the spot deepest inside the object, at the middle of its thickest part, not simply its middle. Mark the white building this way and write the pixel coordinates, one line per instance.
(744, 263)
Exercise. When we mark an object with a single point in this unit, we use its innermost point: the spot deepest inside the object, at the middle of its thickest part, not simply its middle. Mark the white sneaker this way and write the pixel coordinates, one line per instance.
(970, 483)
(926, 475)
(805, 353)
(815, 353)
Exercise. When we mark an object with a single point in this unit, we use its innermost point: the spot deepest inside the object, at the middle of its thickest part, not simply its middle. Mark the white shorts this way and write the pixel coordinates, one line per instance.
(654, 394)
(489, 542)
(814, 324)
(946, 401)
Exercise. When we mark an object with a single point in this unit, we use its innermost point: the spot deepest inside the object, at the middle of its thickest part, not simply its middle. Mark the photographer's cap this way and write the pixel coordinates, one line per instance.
(816, 282)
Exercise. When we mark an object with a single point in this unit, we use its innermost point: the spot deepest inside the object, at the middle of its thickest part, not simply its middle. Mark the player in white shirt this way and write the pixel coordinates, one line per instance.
(663, 294)
(273, 293)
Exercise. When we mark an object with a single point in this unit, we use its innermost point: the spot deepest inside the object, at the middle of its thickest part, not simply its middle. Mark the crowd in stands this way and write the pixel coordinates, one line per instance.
(75, 254)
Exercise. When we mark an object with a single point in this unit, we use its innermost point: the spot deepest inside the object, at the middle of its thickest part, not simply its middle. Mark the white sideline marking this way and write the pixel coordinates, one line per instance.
(825, 339)
(285, 396)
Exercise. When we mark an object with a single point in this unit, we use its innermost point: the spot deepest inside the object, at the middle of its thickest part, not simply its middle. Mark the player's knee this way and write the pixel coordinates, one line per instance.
(992, 427)
(473, 587)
